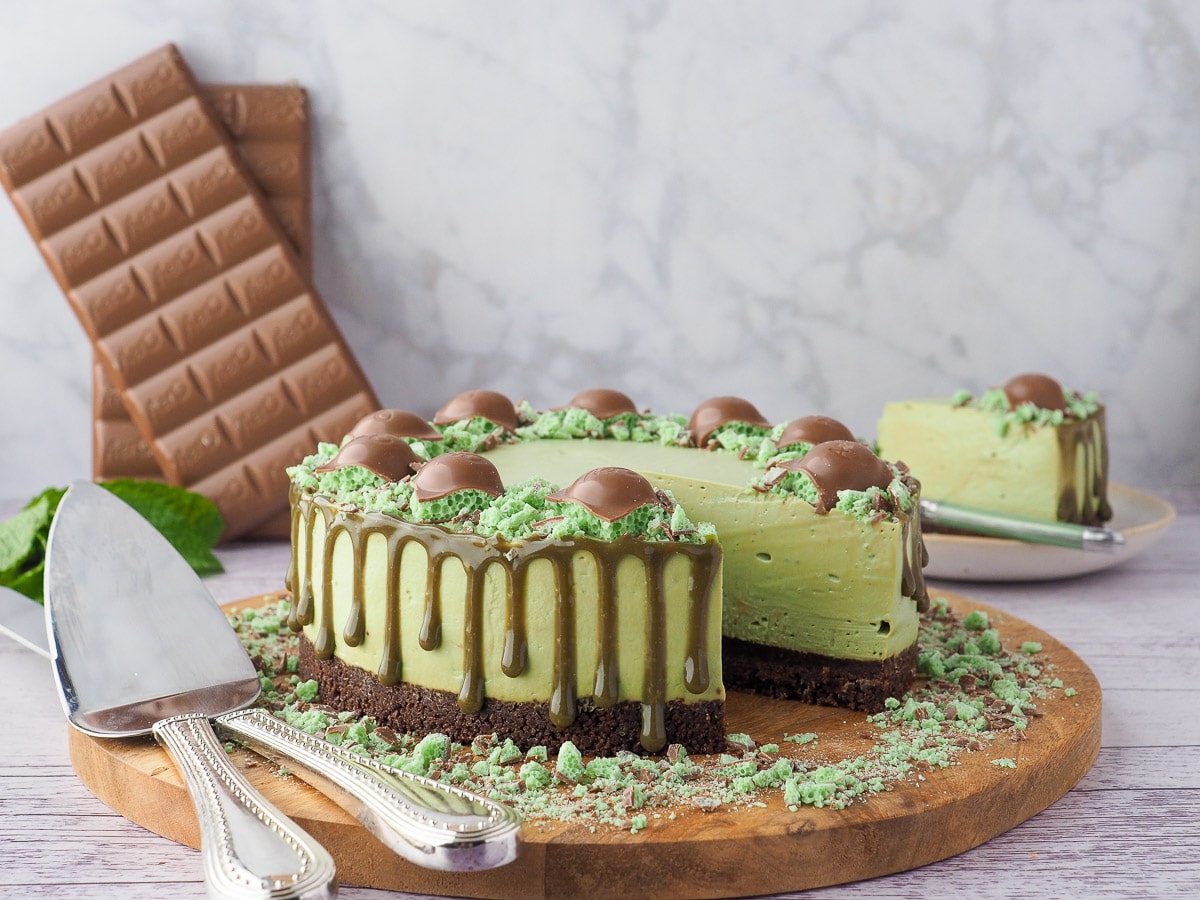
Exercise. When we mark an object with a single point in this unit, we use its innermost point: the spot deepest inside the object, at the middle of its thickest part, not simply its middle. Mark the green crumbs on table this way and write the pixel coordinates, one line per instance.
(975, 695)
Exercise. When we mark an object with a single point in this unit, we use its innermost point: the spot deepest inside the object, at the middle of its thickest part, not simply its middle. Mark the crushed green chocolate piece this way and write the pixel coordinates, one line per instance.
(805, 738)
(522, 512)
(975, 692)
(976, 621)
(475, 435)
(570, 763)
(307, 691)
(1027, 414)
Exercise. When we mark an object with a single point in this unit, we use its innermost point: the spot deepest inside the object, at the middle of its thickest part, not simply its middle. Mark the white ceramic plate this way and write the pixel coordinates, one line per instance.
(1141, 517)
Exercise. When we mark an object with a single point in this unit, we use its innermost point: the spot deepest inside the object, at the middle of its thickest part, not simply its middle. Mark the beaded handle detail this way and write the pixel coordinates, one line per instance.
(250, 850)
(435, 825)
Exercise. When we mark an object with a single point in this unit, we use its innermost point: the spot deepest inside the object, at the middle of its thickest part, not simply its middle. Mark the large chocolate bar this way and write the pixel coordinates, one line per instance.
(198, 308)
(270, 127)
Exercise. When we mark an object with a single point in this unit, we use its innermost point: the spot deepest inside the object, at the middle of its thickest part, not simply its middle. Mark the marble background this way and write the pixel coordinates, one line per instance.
(819, 206)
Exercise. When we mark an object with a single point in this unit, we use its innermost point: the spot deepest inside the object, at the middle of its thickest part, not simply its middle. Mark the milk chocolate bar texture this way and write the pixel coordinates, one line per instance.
(270, 125)
(200, 311)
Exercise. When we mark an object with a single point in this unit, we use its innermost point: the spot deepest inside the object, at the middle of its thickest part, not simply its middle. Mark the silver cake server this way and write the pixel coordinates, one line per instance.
(138, 647)
(484, 833)
(117, 587)
(1033, 531)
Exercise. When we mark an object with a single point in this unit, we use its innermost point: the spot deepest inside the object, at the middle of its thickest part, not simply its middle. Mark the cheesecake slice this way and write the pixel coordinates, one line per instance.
(1028, 449)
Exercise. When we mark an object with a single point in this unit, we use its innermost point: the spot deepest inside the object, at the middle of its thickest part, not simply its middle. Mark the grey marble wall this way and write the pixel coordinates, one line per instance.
(820, 206)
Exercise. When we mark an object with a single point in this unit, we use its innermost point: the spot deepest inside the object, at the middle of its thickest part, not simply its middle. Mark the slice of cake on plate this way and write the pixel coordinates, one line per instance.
(1030, 448)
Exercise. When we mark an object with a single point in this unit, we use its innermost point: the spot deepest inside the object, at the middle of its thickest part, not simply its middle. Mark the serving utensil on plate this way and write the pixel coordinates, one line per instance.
(1020, 528)
(140, 647)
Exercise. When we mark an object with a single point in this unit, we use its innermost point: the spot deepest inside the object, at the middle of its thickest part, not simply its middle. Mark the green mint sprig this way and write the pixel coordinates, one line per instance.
(190, 522)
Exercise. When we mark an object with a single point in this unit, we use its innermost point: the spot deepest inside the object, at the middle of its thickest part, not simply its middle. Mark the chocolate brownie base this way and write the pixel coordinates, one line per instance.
(812, 678)
(596, 731)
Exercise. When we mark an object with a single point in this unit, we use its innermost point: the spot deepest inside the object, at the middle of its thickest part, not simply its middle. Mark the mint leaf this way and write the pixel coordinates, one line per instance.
(17, 537)
(190, 522)
(30, 582)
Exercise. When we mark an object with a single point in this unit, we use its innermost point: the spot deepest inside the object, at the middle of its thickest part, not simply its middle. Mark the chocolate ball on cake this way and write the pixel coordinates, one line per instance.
(813, 430)
(489, 405)
(840, 466)
(453, 472)
(603, 403)
(398, 422)
(1040, 390)
(386, 455)
(716, 412)
(608, 493)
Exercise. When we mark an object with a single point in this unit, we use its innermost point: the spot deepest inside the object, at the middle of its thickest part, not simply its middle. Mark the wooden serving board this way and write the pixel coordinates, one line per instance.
(730, 852)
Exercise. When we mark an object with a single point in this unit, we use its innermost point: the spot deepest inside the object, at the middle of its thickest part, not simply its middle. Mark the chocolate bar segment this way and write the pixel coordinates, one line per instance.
(159, 231)
(270, 124)
(271, 128)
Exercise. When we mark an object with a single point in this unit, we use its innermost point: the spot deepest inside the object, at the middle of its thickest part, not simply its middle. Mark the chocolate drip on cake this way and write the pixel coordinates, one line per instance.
(562, 701)
(916, 554)
(516, 640)
(606, 689)
(470, 696)
(696, 670)
(1083, 493)
(476, 554)
(430, 635)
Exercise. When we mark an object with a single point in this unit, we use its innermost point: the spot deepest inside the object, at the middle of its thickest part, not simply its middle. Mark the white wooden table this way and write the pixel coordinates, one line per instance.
(1130, 828)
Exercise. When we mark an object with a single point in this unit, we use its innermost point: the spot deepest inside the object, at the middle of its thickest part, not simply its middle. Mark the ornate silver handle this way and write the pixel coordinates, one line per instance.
(435, 825)
(249, 848)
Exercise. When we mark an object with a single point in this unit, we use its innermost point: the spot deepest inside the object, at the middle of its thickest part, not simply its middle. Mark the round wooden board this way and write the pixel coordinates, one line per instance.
(730, 852)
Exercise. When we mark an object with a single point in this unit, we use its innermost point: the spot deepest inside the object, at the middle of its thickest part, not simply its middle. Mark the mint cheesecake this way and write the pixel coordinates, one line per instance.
(486, 577)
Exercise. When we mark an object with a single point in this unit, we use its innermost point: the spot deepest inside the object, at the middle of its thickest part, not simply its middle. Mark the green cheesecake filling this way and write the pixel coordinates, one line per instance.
(840, 584)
